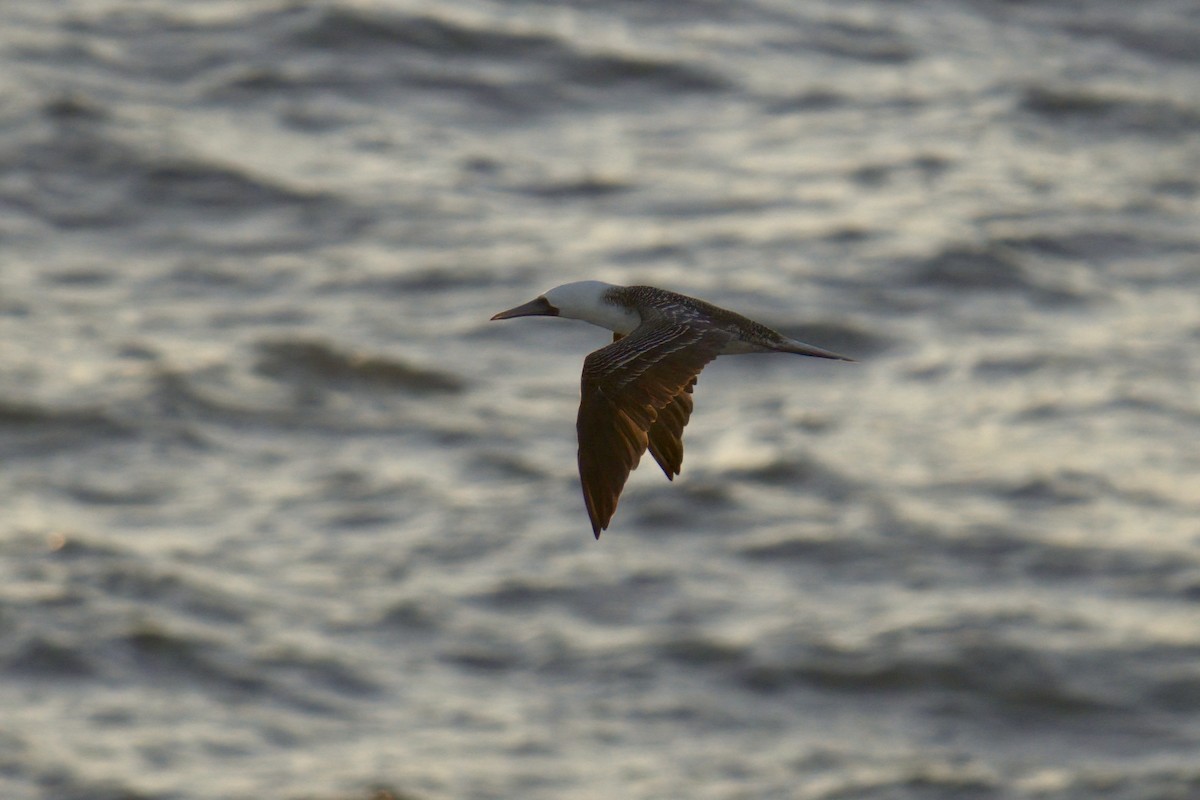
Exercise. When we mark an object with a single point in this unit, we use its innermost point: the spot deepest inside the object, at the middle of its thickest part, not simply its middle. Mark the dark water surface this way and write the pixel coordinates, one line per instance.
(284, 516)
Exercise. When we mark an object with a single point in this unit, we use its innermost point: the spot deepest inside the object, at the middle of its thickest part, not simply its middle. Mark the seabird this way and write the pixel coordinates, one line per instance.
(637, 392)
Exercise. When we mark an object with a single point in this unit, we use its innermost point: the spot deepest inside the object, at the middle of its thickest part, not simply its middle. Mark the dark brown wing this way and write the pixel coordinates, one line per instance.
(666, 434)
(627, 387)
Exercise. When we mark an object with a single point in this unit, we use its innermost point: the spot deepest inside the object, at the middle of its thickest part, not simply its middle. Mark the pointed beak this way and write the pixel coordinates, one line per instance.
(538, 307)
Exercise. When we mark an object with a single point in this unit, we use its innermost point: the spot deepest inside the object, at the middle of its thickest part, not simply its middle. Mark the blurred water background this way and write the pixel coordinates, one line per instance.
(282, 515)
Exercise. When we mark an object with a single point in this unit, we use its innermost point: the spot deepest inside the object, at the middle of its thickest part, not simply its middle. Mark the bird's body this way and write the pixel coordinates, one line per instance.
(636, 393)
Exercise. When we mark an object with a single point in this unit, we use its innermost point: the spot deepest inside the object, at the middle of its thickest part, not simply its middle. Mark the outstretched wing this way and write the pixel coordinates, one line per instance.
(636, 393)
(666, 434)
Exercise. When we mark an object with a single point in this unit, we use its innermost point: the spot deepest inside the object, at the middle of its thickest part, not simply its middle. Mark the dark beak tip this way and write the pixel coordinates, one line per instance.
(538, 307)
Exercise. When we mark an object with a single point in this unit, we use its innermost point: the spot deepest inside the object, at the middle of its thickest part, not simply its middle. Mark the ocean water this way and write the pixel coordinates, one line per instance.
(285, 516)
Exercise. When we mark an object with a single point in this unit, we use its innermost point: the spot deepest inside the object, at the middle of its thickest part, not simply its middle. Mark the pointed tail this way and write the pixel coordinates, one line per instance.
(800, 348)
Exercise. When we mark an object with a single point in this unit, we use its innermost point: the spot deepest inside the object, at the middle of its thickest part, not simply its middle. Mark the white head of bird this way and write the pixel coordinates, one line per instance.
(582, 300)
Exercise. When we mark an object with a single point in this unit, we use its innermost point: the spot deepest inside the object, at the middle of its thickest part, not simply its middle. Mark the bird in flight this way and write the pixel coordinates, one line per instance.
(637, 392)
